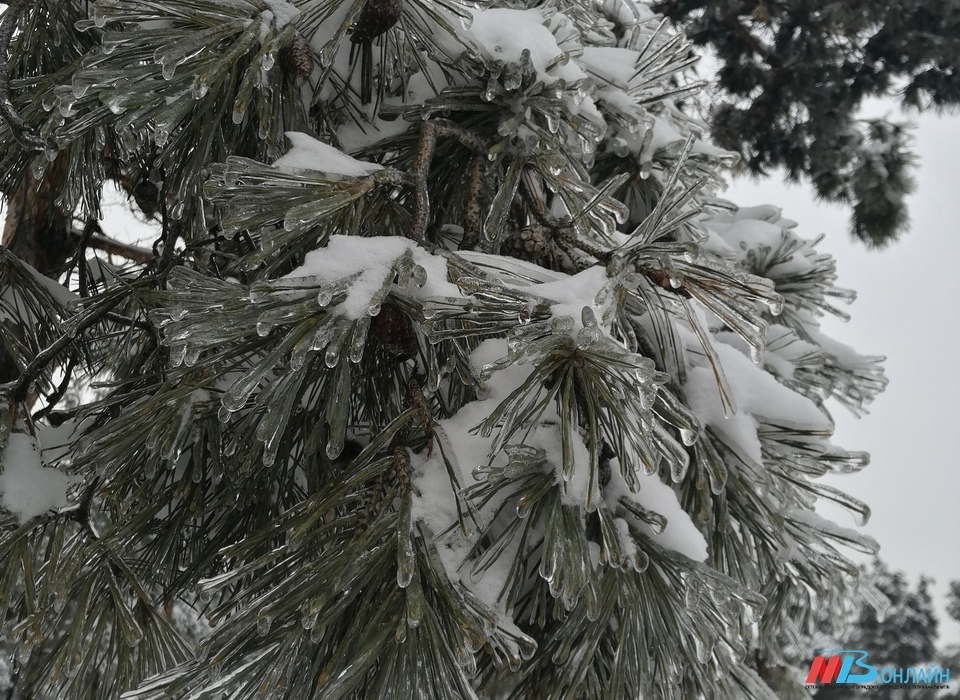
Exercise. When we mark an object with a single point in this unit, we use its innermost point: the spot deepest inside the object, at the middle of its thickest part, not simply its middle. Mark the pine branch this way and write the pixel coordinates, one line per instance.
(8, 112)
(78, 324)
(58, 394)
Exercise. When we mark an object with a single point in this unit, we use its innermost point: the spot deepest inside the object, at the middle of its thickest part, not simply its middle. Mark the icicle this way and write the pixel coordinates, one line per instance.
(406, 562)
(415, 604)
(308, 619)
(264, 620)
(177, 354)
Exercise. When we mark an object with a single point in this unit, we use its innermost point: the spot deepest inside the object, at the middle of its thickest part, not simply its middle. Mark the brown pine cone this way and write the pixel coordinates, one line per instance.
(376, 17)
(531, 244)
(296, 59)
(394, 330)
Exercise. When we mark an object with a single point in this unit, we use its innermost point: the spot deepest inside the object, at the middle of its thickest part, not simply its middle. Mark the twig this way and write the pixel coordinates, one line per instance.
(466, 138)
(429, 132)
(80, 513)
(169, 238)
(80, 255)
(54, 398)
(420, 170)
(472, 208)
(18, 127)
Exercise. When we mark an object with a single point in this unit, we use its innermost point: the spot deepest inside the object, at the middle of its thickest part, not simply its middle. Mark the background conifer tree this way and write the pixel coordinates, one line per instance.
(899, 633)
(448, 374)
(794, 74)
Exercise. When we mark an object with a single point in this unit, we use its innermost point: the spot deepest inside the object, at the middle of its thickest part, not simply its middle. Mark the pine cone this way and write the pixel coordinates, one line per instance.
(296, 59)
(531, 244)
(376, 17)
(394, 330)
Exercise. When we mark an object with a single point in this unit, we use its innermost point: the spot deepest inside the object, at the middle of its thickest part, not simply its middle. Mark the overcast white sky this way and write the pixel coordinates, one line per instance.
(906, 310)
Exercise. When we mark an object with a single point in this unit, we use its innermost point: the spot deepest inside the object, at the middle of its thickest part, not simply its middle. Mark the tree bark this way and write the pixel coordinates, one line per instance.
(37, 231)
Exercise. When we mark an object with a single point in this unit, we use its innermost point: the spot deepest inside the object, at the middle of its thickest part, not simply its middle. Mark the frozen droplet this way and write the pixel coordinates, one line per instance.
(38, 168)
(115, 104)
(177, 353)
(66, 107)
(269, 456)
(192, 355)
(325, 57)
(334, 446)
(263, 624)
(419, 275)
(332, 356)
(689, 437)
(702, 649)
(776, 305)
(429, 310)
(264, 328)
(239, 111)
(199, 88)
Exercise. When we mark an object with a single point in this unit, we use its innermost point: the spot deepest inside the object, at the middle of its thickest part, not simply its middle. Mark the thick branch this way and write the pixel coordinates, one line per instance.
(114, 247)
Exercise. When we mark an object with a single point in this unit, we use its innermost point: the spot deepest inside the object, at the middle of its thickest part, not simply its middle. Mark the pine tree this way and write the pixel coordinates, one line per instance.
(898, 632)
(793, 75)
(474, 388)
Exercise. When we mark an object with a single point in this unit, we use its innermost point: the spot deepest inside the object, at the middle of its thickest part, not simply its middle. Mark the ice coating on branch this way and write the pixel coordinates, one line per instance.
(567, 294)
(571, 294)
(756, 392)
(310, 154)
(27, 488)
(680, 534)
(435, 504)
(503, 35)
(371, 260)
(703, 397)
(507, 36)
